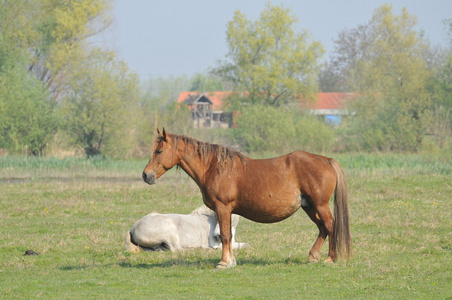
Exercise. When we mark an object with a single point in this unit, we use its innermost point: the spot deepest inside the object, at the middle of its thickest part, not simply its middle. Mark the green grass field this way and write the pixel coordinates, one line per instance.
(75, 212)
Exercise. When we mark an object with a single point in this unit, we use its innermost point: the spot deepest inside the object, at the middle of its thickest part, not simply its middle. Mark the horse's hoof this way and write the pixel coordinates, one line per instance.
(314, 257)
(312, 260)
(223, 265)
(329, 260)
(31, 252)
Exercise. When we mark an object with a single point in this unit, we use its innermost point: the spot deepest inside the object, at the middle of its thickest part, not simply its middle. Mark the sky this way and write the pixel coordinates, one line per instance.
(162, 38)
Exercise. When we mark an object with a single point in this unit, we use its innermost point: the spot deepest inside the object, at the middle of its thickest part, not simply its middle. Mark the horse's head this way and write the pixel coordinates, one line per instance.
(162, 158)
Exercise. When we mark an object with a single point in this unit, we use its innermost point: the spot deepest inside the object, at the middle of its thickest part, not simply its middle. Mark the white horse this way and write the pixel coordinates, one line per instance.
(199, 229)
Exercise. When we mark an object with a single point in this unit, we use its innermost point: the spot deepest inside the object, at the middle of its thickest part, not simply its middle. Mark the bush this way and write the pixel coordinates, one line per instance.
(312, 134)
(386, 123)
(280, 130)
(28, 116)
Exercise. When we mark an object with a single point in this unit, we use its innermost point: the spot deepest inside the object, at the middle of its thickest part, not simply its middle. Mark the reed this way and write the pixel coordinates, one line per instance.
(377, 164)
(50, 167)
(355, 164)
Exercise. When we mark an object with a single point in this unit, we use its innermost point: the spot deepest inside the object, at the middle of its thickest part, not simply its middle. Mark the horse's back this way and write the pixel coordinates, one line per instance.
(309, 160)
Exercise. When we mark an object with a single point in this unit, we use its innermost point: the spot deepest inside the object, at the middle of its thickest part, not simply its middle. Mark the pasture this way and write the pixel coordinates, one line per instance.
(75, 212)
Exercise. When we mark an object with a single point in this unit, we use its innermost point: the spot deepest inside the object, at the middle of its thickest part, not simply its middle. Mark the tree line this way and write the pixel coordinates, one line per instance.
(59, 91)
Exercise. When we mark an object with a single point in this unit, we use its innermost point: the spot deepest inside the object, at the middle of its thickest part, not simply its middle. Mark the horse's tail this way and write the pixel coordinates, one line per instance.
(341, 232)
(130, 244)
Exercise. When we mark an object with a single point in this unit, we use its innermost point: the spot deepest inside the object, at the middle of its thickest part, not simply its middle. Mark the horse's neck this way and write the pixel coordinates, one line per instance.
(193, 165)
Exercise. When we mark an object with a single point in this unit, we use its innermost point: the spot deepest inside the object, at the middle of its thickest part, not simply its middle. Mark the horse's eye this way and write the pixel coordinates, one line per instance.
(158, 151)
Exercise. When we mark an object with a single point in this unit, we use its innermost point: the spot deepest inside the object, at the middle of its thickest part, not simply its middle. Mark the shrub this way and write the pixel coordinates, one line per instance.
(280, 130)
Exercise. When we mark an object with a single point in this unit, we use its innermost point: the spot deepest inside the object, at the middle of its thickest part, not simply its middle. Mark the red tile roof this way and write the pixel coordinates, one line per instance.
(330, 101)
(324, 100)
(215, 97)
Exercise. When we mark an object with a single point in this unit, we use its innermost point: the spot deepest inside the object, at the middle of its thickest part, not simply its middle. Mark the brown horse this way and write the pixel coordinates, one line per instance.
(262, 190)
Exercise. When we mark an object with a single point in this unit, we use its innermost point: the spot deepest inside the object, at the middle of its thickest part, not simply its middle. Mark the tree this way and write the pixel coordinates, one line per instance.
(268, 59)
(390, 76)
(41, 42)
(61, 37)
(441, 89)
(28, 117)
(101, 108)
(202, 83)
(351, 46)
(160, 91)
(53, 32)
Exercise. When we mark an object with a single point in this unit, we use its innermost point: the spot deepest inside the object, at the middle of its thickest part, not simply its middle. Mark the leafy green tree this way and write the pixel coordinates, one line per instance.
(40, 43)
(54, 33)
(102, 105)
(28, 117)
(61, 37)
(268, 59)
(391, 77)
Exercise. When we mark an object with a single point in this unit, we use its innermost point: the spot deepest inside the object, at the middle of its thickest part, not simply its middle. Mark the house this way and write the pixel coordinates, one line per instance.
(331, 107)
(206, 108)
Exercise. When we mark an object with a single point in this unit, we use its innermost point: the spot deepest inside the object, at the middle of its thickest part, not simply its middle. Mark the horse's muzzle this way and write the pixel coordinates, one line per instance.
(149, 178)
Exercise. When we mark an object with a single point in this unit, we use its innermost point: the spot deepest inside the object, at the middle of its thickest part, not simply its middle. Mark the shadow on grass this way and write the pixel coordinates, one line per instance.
(201, 264)
(211, 262)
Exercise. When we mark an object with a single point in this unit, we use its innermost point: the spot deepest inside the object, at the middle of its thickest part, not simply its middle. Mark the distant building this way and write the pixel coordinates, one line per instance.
(206, 108)
(332, 107)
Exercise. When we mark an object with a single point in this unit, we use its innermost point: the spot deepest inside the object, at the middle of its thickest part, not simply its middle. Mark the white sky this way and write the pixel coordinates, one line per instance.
(176, 37)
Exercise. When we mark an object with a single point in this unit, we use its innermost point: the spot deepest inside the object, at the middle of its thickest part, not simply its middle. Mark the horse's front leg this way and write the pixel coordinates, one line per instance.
(224, 219)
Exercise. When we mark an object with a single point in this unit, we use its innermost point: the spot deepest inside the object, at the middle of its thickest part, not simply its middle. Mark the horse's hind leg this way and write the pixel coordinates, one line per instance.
(322, 217)
(328, 222)
(314, 254)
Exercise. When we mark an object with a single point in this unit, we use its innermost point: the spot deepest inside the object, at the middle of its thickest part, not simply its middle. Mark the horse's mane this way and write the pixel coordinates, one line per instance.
(205, 150)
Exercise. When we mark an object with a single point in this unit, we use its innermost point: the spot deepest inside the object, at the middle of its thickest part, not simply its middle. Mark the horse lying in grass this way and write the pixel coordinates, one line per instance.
(262, 190)
(199, 229)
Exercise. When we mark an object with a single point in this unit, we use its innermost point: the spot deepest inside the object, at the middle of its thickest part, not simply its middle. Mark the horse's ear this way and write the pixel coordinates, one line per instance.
(164, 135)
